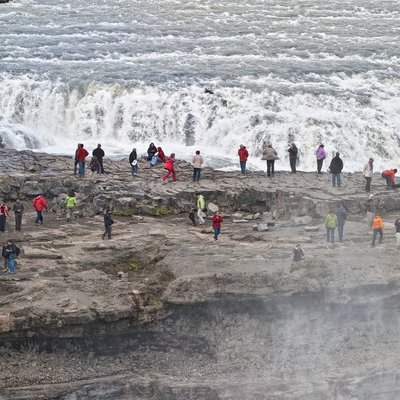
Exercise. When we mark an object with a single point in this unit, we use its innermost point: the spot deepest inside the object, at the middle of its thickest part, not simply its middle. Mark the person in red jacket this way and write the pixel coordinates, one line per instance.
(216, 224)
(243, 156)
(169, 166)
(39, 203)
(389, 176)
(81, 154)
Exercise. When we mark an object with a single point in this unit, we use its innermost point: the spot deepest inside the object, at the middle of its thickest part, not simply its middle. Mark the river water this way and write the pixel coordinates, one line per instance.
(127, 72)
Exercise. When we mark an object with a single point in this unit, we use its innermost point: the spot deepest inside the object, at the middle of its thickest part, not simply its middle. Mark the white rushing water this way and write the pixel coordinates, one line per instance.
(126, 73)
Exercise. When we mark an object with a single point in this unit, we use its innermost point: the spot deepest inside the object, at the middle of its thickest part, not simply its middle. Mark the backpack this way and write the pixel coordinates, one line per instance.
(17, 251)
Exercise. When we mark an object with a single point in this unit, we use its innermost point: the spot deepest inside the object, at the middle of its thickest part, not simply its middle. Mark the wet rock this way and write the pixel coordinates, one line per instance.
(211, 207)
(305, 220)
(314, 228)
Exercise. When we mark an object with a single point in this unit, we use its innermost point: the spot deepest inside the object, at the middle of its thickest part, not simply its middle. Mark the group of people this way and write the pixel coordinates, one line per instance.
(96, 163)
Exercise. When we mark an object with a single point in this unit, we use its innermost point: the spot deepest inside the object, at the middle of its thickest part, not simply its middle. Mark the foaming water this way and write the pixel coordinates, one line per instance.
(125, 74)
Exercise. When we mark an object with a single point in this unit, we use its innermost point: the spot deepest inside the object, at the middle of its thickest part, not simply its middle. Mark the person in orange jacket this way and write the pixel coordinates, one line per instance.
(39, 203)
(3, 216)
(243, 156)
(389, 176)
(377, 227)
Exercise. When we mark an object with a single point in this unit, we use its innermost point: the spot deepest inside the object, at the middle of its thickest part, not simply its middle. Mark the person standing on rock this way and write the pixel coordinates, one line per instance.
(298, 254)
(70, 203)
(216, 224)
(321, 155)
(397, 226)
(18, 209)
(108, 221)
(389, 176)
(39, 203)
(372, 207)
(201, 205)
(133, 162)
(368, 171)
(341, 217)
(9, 253)
(335, 168)
(169, 166)
(81, 155)
(76, 162)
(293, 154)
(331, 222)
(243, 156)
(270, 155)
(98, 152)
(197, 163)
(151, 151)
(377, 227)
(3, 216)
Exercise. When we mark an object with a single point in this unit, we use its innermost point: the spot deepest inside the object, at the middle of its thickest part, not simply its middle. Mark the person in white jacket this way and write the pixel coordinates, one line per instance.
(368, 171)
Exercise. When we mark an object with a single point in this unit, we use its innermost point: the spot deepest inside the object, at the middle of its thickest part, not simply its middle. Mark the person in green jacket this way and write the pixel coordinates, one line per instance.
(201, 205)
(70, 202)
(331, 222)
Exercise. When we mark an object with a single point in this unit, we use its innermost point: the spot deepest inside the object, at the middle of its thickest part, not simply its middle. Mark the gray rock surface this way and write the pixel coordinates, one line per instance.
(162, 311)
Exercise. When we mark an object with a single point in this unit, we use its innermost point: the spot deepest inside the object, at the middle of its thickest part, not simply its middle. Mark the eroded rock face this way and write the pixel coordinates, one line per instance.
(162, 311)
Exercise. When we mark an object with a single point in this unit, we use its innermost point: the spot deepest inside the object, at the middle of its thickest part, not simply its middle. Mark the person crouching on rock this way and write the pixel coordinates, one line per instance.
(108, 221)
(298, 254)
(94, 166)
(216, 224)
(169, 166)
(192, 213)
(388, 175)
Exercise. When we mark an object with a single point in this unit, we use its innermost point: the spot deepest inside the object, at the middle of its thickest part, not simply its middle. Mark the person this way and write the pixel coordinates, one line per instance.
(9, 253)
(18, 209)
(371, 205)
(341, 217)
(39, 203)
(169, 166)
(158, 157)
(335, 168)
(3, 216)
(108, 221)
(94, 166)
(331, 222)
(270, 155)
(201, 205)
(368, 171)
(151, 151)
(98, 152)
(321, 155)
(397, 226)
(133, 162)
(192, 214)
(243, 156)
(197, 163)
(76, 162)
(216, 224)
(81, 154)
(70, 203)
(377, 227)
(293, 153)
(389, 175)
(298, 254)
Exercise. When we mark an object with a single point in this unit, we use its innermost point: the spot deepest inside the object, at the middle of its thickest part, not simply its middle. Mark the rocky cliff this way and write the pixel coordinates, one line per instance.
(162, 311)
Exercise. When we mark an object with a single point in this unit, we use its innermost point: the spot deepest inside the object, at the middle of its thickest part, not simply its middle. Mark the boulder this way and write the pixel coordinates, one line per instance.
(212, 207)
(261, 228)
(311, 228)
(305, 220)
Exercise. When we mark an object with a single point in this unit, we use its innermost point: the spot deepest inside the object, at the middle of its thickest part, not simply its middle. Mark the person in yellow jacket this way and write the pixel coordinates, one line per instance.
(201, 205)
(331, 222)
(377, 227)
(70, 202)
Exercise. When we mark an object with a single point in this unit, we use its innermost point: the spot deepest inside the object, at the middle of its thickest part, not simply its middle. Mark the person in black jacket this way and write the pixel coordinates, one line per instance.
(99, 154)
(293, 152)
(151, 151)
(335, 169)
(18, 209)
(133, 162)
(108, 221)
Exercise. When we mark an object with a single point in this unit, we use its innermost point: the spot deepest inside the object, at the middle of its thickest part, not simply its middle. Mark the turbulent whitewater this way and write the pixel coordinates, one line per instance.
(129, 72)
